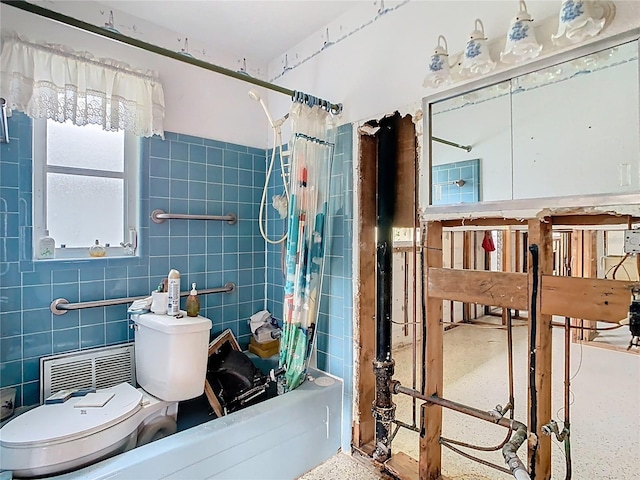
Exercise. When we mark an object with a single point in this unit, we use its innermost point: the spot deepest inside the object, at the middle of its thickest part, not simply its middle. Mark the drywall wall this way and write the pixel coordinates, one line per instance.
(197, 102)
(376, 61)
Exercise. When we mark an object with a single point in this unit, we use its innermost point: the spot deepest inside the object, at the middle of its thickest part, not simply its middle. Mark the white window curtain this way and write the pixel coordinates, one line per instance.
(53, 81)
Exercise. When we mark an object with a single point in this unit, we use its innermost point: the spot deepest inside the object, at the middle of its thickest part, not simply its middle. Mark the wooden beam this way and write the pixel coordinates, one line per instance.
(577, 256)
(590, 270)
(402, 466)
(430, 462)
(586, 298)
(498, 289)
(482, 222)
(539, 398)
(588, 220)
(406, 212)
(364, 424)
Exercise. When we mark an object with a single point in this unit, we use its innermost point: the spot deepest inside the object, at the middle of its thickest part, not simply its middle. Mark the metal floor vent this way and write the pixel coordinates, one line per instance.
(98, 367)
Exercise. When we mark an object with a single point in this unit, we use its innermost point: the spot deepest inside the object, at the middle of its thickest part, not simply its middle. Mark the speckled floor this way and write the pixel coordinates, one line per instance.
(604, 414)
(342, 467)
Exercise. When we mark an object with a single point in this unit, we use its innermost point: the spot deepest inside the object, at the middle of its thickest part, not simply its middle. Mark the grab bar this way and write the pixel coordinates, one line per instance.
(60, 306)
(159, 216)
(452, 144)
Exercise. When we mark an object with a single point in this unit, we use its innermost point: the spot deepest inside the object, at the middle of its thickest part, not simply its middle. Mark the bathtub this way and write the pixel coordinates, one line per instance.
(280, 438)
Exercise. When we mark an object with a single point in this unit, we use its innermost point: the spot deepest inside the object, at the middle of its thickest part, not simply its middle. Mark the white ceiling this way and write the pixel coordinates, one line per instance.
(256, 29)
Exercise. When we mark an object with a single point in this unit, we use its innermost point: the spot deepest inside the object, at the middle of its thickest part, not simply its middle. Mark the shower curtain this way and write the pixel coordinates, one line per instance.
(311, 146)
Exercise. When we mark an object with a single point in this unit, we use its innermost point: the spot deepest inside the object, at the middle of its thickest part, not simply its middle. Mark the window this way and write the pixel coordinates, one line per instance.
(85, 181)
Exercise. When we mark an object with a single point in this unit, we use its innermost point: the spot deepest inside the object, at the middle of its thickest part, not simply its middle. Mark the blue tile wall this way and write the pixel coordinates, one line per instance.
(181, 174)
(335, 322)
(444, 175)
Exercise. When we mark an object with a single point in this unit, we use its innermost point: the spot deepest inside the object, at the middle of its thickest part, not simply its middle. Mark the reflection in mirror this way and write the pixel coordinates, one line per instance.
(572, 129)
(4, 128)
(481, 119)
(576, 127)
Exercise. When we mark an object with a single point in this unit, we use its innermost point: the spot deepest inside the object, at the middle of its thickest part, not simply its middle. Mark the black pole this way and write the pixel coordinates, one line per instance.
(533, 320)
(384, 408)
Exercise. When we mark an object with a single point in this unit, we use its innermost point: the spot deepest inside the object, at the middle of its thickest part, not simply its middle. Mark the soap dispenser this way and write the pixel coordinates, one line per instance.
(46, 246)
(97, 250)
(193, 304)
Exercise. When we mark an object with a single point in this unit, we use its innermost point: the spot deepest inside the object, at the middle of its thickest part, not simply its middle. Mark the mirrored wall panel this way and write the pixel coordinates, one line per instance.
(569, 130)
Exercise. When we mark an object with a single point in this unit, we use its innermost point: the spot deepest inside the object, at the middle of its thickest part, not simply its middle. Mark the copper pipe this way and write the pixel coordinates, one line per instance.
(595, 329)
(509, 451)
(567, 393)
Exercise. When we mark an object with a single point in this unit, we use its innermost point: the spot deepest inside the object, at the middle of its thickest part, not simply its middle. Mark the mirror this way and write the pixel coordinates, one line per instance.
(570, 129)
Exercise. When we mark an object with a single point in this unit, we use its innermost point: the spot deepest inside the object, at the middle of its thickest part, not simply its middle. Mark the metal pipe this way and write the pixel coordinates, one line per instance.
(567, 394)
(509, 451)
(89, 27)
(60, 306)
(384, 408)
(452, 144)
(396, 387)
(159, 216)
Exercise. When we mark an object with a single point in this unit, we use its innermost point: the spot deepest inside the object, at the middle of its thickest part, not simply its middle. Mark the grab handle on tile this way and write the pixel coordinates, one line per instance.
(60, 306)
(159, 216)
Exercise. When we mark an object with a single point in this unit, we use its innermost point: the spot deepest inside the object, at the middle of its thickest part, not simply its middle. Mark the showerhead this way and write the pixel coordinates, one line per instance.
(256, 96)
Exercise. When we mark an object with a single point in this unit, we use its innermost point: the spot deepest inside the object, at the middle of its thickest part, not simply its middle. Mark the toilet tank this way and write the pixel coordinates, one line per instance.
(171, 355)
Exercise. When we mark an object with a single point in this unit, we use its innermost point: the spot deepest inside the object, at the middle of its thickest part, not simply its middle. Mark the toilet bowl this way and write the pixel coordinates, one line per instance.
(171, 359)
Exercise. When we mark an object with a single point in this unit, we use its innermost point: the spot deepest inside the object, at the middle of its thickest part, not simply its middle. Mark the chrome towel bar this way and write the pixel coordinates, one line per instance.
(60, 306)
(159, 216)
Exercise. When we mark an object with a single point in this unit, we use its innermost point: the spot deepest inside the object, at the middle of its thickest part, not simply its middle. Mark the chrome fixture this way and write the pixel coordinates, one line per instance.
(159, 216)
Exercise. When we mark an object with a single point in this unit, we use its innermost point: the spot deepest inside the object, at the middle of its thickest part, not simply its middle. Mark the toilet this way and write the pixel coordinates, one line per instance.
(171, 356)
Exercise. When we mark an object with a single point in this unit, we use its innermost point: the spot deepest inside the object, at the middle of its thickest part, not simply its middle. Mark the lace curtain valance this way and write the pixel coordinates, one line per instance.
(52, 81)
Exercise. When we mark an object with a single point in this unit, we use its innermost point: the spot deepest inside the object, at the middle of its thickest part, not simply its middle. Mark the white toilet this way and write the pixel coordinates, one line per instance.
(171, 363)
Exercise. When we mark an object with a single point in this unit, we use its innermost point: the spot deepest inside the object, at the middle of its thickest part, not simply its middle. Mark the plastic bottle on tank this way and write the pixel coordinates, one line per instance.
(173, 304)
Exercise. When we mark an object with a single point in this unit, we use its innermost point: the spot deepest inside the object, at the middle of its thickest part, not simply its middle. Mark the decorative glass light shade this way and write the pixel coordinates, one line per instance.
(521, 43)
(579, 20)
(439, 72)
(477, 59)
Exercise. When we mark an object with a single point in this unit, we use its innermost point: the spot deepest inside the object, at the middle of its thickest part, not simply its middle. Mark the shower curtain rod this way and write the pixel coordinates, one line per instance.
(89, 27)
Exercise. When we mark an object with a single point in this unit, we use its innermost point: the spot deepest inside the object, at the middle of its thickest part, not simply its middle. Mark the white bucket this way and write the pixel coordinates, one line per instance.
(7, 402)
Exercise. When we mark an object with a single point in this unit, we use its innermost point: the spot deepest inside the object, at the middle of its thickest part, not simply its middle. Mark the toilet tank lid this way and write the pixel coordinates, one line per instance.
(173, 325)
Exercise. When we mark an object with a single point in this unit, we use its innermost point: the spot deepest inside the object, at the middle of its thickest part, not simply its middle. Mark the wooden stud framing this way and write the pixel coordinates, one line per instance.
(586, 298)
(364, 425)
(496, 289)
(430, 462)
(540, 413)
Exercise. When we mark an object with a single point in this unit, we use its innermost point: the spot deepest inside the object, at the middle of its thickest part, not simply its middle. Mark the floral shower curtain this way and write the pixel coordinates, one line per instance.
(312, 147)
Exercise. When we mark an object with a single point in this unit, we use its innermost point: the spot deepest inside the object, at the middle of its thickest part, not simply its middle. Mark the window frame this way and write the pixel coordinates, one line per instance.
(130, 176)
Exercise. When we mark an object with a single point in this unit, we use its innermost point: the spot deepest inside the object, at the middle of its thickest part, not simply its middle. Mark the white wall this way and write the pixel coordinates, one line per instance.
(381, 65)
(197, 102)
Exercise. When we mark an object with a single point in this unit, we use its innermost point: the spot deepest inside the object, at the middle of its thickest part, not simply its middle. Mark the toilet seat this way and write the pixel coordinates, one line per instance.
(54, 438)
(63, 422)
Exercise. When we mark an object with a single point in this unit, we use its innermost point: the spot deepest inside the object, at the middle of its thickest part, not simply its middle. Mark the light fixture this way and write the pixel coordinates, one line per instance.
(521, 43)
(580, 19)
(439, 72)
(477, 59)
